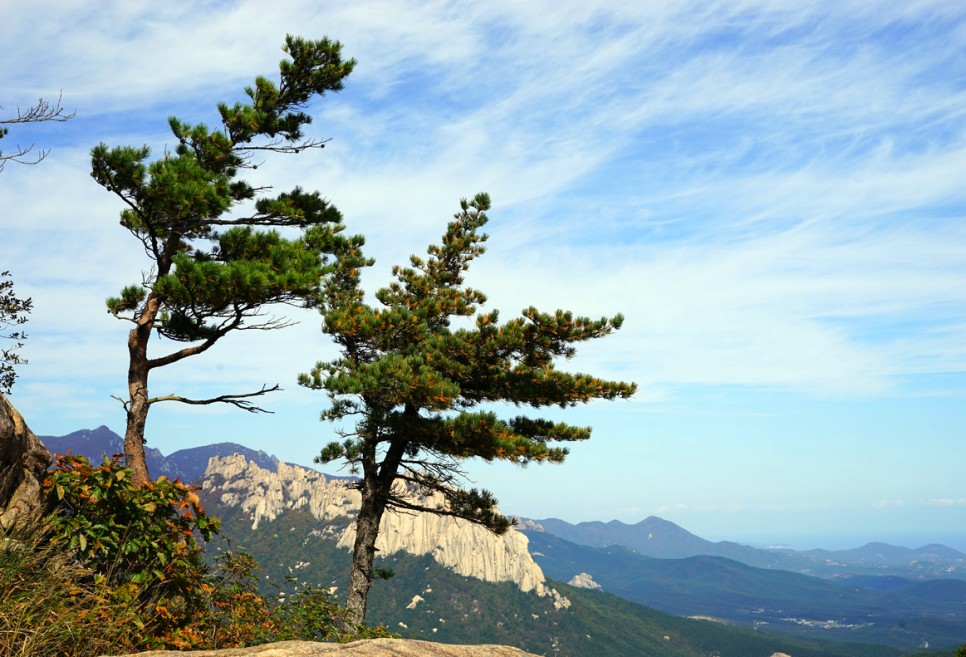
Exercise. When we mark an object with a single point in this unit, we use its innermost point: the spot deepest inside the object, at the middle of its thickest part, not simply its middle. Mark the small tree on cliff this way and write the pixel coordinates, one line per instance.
(14, 310)
(413, 384)
(13, 313)
(204, 283)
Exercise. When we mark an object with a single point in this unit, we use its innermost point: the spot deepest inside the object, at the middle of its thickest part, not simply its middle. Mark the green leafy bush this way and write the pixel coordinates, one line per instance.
(120, 568)
(140, 541)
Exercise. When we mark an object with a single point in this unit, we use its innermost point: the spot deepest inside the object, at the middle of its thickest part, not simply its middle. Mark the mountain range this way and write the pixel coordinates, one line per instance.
(188, 465)
(297, 522)
(876, 609)
(661, 539)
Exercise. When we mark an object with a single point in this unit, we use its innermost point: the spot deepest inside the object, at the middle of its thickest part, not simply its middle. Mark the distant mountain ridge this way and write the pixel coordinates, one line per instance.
(651, 537)
(456, 582)
(262, 495)
(895, 611)
(188, 465)
(661, 539)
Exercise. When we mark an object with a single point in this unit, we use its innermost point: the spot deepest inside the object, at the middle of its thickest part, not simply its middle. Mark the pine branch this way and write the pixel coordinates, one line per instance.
(279, 146)
(239, 400)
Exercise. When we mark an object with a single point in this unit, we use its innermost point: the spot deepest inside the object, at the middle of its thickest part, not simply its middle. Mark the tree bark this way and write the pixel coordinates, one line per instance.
(376, 490)
(137, 387)
(364, 552)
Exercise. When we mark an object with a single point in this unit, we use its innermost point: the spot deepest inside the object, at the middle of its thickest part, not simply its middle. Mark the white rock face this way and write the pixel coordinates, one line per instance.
(584, 581)
(459, 545)
(265, 495)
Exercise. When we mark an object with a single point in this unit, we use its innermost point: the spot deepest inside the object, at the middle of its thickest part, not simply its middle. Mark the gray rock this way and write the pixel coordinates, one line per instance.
(23, 463)
(464, 547)
(367, 648)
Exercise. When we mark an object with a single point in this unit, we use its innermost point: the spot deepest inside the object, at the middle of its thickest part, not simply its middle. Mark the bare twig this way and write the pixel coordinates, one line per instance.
(43, 111)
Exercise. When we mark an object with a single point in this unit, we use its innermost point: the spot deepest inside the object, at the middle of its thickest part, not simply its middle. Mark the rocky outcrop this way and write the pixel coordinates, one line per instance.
(584, 581)
(459, 545)
(369, 648)
(23, 462)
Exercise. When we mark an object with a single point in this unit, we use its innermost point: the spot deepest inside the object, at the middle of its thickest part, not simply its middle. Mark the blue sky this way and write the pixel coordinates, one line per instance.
(772, 193)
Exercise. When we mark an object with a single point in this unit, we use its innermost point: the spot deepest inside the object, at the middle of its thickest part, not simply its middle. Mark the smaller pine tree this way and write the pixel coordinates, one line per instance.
(419, 390)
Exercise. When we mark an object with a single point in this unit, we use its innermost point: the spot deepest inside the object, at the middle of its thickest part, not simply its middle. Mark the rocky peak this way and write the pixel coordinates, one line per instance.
(459, 545)
(584, 581)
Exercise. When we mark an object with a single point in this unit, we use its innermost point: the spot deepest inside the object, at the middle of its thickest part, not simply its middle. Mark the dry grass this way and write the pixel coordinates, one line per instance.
(50, 604)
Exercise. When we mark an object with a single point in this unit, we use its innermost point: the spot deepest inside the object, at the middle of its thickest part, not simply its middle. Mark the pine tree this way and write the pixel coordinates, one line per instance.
(414, 384)
(212, 273)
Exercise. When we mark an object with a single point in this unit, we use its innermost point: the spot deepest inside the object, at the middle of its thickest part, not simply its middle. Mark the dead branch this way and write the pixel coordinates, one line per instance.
(239, 400)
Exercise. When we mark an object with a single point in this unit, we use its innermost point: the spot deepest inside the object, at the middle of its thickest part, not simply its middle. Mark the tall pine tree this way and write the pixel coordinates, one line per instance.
(212, 273)
(413, 384)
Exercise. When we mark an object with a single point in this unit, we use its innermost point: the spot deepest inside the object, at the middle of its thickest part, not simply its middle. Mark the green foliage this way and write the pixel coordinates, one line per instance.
(51, 604)
(174, 201)
(212, 273)
(118, 568)
(414, 383)
(13, 312)
(237, 613)
(142, 534)
(139, 540)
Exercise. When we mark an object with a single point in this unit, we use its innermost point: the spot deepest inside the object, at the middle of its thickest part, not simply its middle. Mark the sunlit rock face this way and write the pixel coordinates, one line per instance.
(459, 545)
(584, 581)
(23, 465)
(264, 495)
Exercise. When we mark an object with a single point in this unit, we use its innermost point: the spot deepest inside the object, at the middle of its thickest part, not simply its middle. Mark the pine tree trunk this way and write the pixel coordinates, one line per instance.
(363, 553)
(137, 416)
(137, 386)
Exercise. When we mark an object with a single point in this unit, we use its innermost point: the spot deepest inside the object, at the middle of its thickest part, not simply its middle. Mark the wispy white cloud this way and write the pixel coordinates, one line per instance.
(771, 193)
(784, 207)
(961, 501)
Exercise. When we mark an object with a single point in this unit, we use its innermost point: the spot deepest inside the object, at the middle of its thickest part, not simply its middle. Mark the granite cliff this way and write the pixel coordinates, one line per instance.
(461, 546)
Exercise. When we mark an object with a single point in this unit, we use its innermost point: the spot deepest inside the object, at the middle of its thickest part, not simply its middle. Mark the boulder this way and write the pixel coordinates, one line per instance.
(23, 464)
(367, 648)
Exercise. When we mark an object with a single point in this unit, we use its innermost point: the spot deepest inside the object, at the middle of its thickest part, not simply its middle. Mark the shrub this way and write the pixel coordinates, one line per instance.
(140, 541)
(122, 567)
